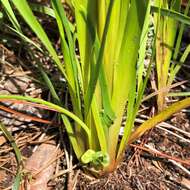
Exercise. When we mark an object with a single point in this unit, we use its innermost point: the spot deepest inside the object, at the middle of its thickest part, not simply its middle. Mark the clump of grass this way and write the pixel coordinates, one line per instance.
(105, 83)
(168, 41)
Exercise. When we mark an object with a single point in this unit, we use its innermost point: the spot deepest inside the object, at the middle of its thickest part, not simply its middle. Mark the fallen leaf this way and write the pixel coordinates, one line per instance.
(38, 162)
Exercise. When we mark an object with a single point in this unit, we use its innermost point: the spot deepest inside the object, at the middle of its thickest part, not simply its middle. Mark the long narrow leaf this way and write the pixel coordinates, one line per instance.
(172, 14)
(69, 53)
(51, 105)
(18, 155)
(11, 14)
(29, 17)
(94, 78)
(159, 118)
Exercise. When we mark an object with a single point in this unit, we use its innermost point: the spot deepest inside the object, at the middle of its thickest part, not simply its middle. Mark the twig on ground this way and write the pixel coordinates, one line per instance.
(154, 151)
(167, 125)
(74, 183)
(60, 173)
(164, 124)
(174, 134)
(180, 166)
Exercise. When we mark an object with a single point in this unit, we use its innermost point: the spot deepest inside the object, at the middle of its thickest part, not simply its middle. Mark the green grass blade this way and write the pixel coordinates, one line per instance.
(71, 64)
(179, 94)
(134, 111)
(48, 11)
(76, 147)
(42, 9)
(17, 26)
(166, 25)
(179, 38)
(27, 14)
(99, 127)
(130, 120)
(108, 114)
(143, 44)
(84, 36)
(94, 78)
(185, 54)
(25, 38)
(17, 181)
(18, 155)
(69, 128)
(12, 141)
(165, 114)
(1, 15)
(69, 55)
(143, 84)
(172, 14)
(178, 65)
(125, 70)
(11, 14)
(50, 105)
(175, 67)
